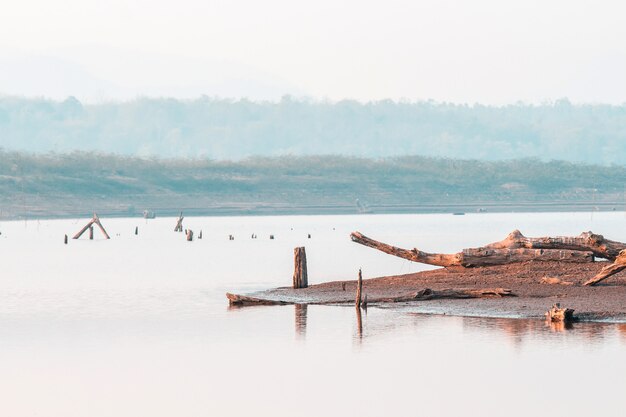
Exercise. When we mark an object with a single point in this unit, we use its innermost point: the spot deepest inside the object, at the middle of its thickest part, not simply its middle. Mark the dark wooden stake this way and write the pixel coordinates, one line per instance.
(90, 232)
(300, 276)
(136, 230)
(65, 240)
(200, 235)
(359, 287)
(189, 235)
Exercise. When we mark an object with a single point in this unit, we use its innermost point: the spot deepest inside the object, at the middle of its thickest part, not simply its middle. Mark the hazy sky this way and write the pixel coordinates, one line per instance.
(461, 51)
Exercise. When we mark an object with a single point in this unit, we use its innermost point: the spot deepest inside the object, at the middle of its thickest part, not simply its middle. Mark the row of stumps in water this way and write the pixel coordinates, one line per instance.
(179, 228)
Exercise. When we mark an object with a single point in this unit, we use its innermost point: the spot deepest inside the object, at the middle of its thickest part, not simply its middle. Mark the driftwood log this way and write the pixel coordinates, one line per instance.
(585, 242)
(499, 253)
(617, 266)
(423, 295)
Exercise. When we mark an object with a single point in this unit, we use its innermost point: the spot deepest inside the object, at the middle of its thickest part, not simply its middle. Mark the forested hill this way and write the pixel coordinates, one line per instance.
(227, 129)
(78, 183)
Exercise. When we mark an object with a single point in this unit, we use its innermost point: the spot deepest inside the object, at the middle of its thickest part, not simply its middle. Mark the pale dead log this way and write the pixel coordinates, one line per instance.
(586, 242)
(423, 295)
(242, 300)
(617, 266)
(84, 229)
(97, 221)
(475, 257)
(300, 276)
(428, 294)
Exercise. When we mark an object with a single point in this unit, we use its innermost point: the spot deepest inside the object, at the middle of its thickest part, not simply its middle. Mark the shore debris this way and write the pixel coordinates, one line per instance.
(617, 266)
(555, 281)
(422, 295)
(556, 313)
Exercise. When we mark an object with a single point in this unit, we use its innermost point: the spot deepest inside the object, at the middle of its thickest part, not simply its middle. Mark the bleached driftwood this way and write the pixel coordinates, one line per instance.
(423, 295)
(89, 226)
(617, 266)
(495, 254)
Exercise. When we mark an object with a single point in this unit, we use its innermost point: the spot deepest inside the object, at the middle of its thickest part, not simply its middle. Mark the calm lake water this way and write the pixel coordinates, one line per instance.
(139, 325)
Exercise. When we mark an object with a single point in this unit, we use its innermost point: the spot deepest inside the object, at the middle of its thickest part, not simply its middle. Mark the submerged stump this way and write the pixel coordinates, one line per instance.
(558, 314)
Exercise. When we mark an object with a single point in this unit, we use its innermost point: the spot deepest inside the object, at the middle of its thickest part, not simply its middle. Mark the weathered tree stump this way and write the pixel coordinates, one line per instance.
(189, 235)
(300, 276)
(556, 313)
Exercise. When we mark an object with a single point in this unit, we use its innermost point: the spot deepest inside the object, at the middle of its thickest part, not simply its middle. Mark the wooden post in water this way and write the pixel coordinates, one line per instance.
(179, 223)
(359, 287)
(89, 226)
(65, 240)
(189, 235)
(300, 277)
(200, 235)
(136, 230)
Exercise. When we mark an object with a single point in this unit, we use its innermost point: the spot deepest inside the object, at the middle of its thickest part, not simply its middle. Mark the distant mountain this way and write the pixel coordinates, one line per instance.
(234, 129)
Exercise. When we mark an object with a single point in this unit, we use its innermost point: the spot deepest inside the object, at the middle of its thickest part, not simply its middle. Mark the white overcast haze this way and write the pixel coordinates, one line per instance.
(491, 52)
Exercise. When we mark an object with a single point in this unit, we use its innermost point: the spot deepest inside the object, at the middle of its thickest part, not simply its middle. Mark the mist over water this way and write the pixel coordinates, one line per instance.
(139, 324)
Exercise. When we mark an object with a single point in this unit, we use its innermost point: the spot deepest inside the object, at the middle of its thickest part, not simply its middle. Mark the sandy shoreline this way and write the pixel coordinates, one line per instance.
(533, 296)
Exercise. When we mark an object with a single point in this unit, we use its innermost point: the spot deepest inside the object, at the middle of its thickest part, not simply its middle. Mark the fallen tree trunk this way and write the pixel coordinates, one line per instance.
(423, 295)
(617, 266)
(475, 257)
(586, 241)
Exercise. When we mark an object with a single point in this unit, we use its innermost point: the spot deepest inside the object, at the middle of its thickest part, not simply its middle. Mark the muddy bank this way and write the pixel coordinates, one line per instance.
(536, 287)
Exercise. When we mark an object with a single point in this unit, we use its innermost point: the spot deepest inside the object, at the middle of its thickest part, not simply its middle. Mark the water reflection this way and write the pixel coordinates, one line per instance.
(300, 314)
(521, 330)
(359, 325)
